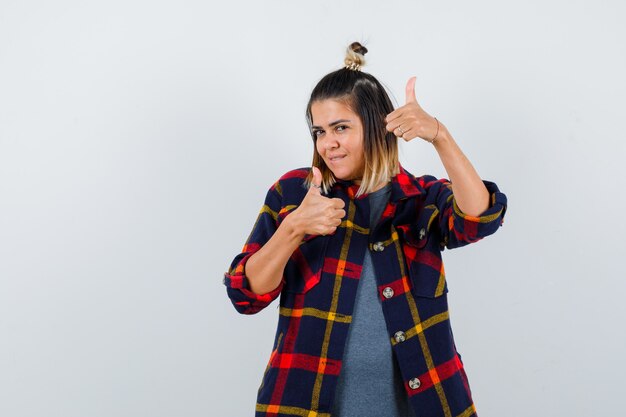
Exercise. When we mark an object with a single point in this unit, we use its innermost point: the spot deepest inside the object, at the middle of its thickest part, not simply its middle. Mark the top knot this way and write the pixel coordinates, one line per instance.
(355, 59)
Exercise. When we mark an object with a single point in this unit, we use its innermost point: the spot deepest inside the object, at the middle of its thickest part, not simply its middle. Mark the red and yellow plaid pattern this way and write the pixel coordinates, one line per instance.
(319, 286)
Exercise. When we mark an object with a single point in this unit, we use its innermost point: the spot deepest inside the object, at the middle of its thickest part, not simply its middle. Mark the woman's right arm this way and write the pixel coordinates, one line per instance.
(265, 268)
(316, 215)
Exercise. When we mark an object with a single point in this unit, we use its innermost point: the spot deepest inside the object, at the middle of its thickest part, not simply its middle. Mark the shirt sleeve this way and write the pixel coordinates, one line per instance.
(237, 285)
(459, 229)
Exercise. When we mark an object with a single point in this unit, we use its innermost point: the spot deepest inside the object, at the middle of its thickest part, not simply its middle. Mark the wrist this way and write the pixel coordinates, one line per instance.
(293, 225)
(443, 137)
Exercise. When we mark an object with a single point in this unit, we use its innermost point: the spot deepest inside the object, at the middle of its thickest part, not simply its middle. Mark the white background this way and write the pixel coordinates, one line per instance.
(138, 140)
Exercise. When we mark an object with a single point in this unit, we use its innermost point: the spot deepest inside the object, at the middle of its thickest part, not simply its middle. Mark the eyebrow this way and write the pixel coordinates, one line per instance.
(333, 123)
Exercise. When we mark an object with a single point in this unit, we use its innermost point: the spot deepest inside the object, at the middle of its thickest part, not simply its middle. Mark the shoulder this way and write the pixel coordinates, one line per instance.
(291, 183)
(295, 174)
(423, 186)
(428, 181)
(423, 181)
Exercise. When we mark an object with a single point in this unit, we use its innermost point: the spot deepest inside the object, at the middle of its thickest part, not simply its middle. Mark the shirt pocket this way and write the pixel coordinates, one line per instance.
(304, 268)
(420, 246)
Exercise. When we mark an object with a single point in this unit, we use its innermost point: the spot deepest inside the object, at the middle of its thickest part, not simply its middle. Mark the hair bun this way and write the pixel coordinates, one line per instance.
(355, 59)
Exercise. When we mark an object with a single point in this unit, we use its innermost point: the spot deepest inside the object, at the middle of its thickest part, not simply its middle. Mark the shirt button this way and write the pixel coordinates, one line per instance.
(400, 336)
(422, 233)
(378, 246)
(388, 292)
(414, 383)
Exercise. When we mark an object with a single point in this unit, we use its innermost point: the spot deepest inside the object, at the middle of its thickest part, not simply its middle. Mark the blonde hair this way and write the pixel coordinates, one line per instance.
(365, 96)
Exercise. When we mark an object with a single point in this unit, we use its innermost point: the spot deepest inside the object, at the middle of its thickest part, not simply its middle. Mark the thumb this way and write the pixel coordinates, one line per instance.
(410, 90)
(317, 179)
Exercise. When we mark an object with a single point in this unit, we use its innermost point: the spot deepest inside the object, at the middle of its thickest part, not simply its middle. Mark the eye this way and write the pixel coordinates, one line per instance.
(342, 127)
(315, 133)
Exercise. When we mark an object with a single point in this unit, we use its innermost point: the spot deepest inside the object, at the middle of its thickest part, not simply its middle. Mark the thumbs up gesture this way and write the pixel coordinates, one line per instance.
(411, 121)
(319, 215)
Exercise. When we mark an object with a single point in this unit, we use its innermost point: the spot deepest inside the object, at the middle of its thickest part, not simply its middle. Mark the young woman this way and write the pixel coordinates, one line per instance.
(353, 247)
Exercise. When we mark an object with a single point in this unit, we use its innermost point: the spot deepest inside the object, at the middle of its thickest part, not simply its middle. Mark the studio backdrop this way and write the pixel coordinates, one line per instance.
(138, 140)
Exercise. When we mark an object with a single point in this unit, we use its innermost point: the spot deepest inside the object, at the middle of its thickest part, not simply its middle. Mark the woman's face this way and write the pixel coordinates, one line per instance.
(339, 133)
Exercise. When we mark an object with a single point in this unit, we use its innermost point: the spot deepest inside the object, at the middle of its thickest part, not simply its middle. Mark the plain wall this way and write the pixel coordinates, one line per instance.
(138, 140)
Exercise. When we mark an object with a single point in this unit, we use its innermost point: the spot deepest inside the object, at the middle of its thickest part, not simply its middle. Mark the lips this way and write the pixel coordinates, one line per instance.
(336, 158)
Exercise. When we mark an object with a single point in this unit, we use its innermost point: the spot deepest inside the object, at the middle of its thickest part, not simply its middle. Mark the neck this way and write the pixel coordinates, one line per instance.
(378, 186)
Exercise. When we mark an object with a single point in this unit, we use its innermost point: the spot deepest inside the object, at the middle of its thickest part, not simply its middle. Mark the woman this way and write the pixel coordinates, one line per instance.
(353, 247)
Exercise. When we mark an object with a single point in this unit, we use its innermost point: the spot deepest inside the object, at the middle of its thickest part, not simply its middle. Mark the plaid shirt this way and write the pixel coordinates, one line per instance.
(318, 289)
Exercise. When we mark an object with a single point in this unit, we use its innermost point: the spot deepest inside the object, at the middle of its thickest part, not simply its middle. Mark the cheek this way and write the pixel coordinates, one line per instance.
(357, 151)
(360, 159)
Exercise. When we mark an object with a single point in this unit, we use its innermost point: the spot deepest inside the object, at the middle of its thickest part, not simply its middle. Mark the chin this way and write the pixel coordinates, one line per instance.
(345, 177)
(342, 174)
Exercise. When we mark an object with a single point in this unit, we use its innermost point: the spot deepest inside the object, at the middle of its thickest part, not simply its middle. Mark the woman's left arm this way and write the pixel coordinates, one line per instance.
(411, 121)
(470, 192)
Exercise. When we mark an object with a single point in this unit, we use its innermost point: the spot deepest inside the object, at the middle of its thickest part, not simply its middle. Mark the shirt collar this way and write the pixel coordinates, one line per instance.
(403, 185)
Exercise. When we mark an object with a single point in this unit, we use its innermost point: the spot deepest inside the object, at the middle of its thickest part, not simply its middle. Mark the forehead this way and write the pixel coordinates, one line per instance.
(324, 112)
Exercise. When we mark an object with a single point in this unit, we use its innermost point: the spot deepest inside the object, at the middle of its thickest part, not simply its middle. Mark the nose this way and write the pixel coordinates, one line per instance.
(330, 142)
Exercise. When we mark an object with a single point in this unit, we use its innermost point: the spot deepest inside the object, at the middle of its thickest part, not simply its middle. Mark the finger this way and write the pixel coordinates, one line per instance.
(317, 176)
(394, 115)
(338, 213)
(410, 90)
(407, 135)
(338, 203)
(391, 127)
(317, 180)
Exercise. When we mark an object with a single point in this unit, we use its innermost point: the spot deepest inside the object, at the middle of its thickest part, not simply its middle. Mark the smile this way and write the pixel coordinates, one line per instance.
(337, 158)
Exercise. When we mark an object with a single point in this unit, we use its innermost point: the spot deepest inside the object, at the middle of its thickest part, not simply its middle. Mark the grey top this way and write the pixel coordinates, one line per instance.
(370, 383)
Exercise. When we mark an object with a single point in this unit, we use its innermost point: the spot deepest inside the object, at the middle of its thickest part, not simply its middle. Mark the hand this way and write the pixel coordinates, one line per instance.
(411, 121)
(318, 215)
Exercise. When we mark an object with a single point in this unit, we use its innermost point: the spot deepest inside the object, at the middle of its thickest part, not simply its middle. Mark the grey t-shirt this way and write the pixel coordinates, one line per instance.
(370, 383)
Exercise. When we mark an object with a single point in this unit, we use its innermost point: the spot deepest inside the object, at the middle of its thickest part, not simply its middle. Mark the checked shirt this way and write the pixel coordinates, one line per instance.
(319, 285)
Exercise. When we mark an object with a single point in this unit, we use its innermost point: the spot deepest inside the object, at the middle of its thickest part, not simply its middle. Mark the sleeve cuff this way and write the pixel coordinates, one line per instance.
(496, 209)
(464, 229)
(239, 281)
